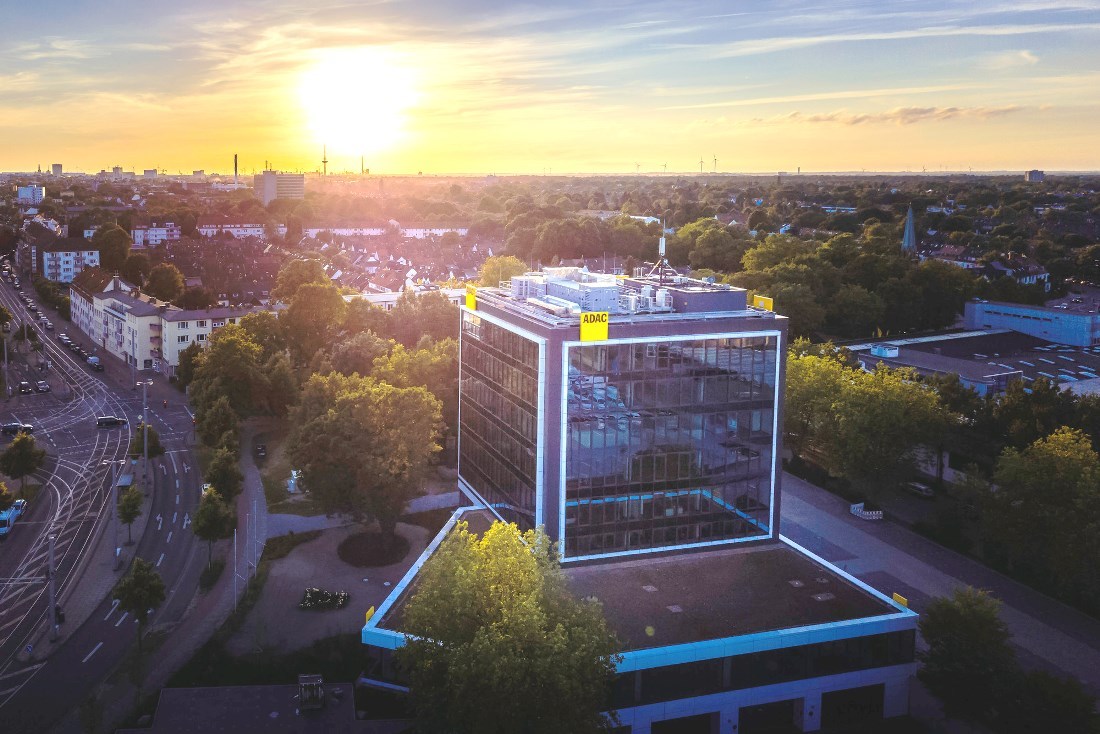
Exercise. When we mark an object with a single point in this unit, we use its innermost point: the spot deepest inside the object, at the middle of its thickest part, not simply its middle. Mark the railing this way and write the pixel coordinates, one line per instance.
(862, 514)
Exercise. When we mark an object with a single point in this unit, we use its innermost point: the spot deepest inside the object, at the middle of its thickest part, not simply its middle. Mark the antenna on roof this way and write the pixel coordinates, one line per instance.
(661, 267)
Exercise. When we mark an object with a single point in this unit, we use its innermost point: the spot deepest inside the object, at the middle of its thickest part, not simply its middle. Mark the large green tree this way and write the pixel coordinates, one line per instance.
(499, 268)
(315, 313)
(1048, 491)
(165, 282)
(22, 458)
(114, 244)
(969, 661)
(433, 365)
(7, 499)
(224, 472)
(415, 316)
(264, 329)
(363, 445)
(357, 354)
(140, 591)
(497, 643)
(229, 366)
(137, 444)
(294, 275)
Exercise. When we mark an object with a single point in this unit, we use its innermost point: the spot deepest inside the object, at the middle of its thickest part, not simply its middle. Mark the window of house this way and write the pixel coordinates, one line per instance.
(202, 337)
(183, 338)
(183, 325)
(201, 324)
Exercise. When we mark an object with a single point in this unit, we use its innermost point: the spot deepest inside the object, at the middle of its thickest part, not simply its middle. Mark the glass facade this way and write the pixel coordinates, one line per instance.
(499, 417)
(668, 442)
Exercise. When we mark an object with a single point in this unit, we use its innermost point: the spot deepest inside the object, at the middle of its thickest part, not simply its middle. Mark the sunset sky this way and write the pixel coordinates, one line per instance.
(574, 86)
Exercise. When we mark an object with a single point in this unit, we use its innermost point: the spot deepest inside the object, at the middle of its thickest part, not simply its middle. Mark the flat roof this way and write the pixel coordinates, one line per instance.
(656, 601)
(690, 597)
(233, 709)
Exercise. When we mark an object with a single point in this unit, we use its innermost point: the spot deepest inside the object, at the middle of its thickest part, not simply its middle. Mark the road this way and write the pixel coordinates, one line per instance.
(1047, 634)
(74, 503)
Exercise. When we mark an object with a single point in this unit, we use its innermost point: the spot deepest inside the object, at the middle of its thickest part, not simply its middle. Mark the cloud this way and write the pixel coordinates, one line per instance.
(56, 48)
(1008, 60)
(897, 116)
(818, 96)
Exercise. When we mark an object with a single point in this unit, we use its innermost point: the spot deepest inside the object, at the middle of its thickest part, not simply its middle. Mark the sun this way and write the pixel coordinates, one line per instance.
(356, 100)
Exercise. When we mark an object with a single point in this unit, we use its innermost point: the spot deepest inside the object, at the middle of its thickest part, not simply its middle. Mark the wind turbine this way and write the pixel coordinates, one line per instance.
(637, 168)
(715, 164)
(666, 168)
(700, 164)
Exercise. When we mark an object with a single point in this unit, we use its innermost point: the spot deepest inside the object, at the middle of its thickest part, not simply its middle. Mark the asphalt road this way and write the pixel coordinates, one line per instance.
(75, 499)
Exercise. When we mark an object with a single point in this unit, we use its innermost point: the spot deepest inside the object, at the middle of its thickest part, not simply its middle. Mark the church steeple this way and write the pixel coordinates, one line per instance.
(909, 238)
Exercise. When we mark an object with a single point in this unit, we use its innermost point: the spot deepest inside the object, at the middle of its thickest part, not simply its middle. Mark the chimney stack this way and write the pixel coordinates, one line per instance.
(234, 169)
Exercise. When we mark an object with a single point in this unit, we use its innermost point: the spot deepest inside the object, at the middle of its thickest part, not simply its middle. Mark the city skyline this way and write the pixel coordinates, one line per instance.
(445, 87)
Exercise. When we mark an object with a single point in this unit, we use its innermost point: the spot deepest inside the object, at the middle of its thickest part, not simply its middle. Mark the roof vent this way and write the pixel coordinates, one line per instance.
(674, 608)
(824, 596)
(650, 588)
(796, 583)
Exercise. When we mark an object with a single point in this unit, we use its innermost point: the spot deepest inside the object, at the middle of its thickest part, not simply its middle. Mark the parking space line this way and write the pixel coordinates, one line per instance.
(120, 619)
(93, 652)
(160, 560)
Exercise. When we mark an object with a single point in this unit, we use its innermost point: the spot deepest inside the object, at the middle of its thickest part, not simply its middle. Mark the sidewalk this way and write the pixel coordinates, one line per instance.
(206, 613)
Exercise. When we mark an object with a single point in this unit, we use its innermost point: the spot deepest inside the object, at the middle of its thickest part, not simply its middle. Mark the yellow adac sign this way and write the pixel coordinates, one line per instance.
(901, 599)
(762, 302)
(594, 326)
(370, 613)
(471, 297)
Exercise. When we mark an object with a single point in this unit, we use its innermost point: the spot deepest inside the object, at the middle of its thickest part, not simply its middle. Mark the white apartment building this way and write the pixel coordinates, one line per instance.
(386, 301)
(180, 329)
(30, 194)
(418, 233)
(238, 228)
(63, 259)
(151, 235)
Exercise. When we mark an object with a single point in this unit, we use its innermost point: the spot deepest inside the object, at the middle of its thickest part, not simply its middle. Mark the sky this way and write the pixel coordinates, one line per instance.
(558, 86)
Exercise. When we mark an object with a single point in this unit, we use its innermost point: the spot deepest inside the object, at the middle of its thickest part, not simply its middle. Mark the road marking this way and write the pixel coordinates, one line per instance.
(160, 559)
(164, 469)
(114, 606)
(160, 521)
(177, 499)
(120, 619)
(177, 484)
(174, 515)
(186, 520)
(169, 537)
(93, 652)
(172, 456)
(186, 468)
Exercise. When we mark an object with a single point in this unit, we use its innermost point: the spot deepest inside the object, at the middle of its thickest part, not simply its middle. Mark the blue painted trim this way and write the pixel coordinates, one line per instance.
(773, 640)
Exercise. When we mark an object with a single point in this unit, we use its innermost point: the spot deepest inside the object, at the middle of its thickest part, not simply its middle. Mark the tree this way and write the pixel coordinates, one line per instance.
(211, 520)
(433, 366)
(137, 444)
(294, 275)
(136, 268)
(7, 499)
(224, 472)
(1037, 702)
(813, 382)
(281, 384)
(185, 371)
(165, 282)
(969, 660)
(497, 643)
(883, 420)
(230, 366)
(140, 591)
(129, 509)
(22, 458)
(264, 329)
(215, 420)
(363, 445)
(315, 312)
(362, 315)
(114, 245)
(357, 354)
(499, 268)
(196, 298)
(1050, 491)
(427, 314)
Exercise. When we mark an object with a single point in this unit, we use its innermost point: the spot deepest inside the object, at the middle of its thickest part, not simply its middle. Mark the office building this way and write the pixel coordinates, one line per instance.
(271, 185)
(638, 421)
(57, 169)
(1069, 323)
(1034, 176)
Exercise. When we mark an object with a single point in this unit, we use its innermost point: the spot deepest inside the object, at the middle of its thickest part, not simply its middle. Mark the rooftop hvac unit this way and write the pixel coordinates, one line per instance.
(887, 351)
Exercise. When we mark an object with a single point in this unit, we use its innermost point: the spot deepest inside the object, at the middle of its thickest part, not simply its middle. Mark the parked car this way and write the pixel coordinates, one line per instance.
(109, 421)
(42, 386)
(10, 515)
(261, 451)
(25, 388)
(920, 489)
(13, 428)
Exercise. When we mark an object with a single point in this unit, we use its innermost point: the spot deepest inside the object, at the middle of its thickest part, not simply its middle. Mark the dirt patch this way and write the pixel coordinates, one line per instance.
(369, 549)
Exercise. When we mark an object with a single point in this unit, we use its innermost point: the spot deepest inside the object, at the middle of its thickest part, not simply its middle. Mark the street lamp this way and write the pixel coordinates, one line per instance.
(145, 432)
